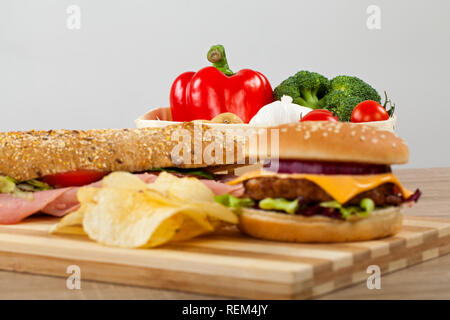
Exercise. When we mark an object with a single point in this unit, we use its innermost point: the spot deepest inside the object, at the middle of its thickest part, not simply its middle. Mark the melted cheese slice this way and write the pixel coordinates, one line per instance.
(340, 187)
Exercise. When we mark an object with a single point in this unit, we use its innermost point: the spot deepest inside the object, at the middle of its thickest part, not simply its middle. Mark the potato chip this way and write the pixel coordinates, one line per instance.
(189, 229)
(163, 183)
(195, 192)
(71, 223)
(86, 195)
(187, 188)
(123, 180)
(128, 218)
(126, 212)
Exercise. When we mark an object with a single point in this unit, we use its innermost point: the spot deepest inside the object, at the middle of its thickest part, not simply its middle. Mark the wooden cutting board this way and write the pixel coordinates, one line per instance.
(228, 264)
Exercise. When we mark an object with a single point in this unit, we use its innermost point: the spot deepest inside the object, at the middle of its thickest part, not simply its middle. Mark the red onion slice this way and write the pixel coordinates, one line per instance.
(325, 167)
(414, 197)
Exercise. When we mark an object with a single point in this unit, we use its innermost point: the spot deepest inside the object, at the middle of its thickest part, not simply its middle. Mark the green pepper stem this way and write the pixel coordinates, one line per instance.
(216, 55)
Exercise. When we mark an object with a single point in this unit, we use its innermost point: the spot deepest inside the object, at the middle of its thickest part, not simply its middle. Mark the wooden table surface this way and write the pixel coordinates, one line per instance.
(428, 280)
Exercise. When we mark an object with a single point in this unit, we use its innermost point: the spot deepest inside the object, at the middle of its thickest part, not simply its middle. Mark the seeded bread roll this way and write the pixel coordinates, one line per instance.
(335, 141)
(296, 228)
(33, 154)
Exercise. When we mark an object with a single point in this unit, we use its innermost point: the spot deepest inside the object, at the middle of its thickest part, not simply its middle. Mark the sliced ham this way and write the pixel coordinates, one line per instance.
(220, 188)
(68, 202)
(65, 203)
(15, 209)
(59, 202)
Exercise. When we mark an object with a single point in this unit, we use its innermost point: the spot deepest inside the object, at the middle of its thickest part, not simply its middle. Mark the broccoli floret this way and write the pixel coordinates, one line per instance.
(341, 104)
(289, 88)
(355, 87)
(345, 93)
(340, 95)
(306, 89)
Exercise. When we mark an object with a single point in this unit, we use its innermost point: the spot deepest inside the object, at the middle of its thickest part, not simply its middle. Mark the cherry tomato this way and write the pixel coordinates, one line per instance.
(319, 115)
(323, 110)
(369, 110)
(74, 178)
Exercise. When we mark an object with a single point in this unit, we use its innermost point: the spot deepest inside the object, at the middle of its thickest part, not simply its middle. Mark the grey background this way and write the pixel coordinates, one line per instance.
(124, 58)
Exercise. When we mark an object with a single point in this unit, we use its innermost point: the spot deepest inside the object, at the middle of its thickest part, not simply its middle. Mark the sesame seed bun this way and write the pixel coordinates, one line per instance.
(34, 154)
(271, 225)
(334, 141)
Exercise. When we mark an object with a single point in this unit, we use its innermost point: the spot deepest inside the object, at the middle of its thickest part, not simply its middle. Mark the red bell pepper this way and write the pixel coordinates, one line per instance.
(216, 89)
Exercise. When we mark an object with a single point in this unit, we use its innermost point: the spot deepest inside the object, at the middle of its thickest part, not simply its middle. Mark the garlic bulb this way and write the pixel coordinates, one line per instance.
(279, 112)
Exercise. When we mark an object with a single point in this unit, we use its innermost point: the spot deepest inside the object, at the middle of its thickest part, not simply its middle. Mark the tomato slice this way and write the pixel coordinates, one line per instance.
(74, 178)
(320, 115)
(369, 110)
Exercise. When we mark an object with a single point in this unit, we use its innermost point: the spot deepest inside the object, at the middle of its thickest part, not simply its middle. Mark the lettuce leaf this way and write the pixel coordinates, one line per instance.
(10, 185)
(193, 172)
(282, 204)
(365, 207)
(7, 184)
(39, 185)
(233, 202)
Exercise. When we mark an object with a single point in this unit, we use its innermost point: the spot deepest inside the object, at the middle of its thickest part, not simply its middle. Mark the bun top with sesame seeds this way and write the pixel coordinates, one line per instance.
(333, 141)
(34, 154)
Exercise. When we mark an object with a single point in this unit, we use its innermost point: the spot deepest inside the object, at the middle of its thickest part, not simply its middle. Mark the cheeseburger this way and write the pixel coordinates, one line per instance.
(332, 182)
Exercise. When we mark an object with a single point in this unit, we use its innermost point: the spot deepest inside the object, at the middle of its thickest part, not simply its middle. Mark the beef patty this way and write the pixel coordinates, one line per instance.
(273, 187)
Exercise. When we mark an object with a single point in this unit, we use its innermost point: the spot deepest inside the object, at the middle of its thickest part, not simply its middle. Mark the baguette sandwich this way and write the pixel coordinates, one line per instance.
(40, 171)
